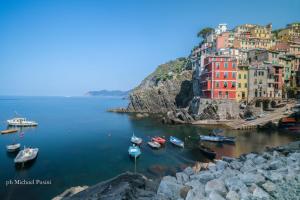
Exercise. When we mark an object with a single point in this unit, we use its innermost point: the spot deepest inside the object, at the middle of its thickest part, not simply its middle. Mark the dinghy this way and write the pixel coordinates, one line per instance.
(134, 151)
(159, 140)
(27, 154)
(13, 147)
(176, 141)
(154, 144)
(136, 140)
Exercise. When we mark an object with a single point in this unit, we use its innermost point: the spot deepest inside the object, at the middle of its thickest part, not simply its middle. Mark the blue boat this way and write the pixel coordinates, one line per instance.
(134, 151)
(176, 141)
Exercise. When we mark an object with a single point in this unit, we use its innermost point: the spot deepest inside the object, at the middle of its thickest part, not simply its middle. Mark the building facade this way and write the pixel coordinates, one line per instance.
(242, 83)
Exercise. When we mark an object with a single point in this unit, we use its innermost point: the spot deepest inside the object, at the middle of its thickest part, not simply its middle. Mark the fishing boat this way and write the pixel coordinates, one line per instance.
(21, 122)
(13, 147)
(217, 138)
(154, 145)
(176, 141)
(25, 155)
(136, 140)
(159, 140)
(207, 152)
(9, 131)
(134, 151)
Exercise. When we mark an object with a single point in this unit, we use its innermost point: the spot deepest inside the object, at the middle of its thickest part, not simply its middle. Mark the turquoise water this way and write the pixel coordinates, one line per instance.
(81, 144)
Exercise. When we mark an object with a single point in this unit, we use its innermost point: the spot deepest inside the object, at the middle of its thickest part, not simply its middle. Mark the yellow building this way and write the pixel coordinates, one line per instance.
(292, 31)
(262, 32)
(242, 83)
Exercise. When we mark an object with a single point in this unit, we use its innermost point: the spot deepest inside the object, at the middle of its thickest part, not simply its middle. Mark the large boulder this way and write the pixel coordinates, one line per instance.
(216, 185)
(169, 188)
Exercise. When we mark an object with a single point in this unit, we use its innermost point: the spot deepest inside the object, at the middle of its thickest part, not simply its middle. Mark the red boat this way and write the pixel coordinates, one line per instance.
(159, 140)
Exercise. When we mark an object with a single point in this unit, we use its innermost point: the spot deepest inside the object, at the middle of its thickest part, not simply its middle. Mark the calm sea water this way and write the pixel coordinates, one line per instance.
(81, 144)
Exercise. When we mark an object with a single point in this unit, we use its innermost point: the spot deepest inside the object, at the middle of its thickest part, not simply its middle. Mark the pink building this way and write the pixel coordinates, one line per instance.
(224, 40)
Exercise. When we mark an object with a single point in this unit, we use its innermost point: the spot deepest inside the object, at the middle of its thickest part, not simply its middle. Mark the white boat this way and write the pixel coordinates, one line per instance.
(13, 147)
(19, 121)
(176, 141)
(25, 155)
(136, 140)
(154, 144)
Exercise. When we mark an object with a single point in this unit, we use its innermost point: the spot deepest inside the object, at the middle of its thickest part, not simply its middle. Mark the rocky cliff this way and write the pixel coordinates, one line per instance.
(169, 87)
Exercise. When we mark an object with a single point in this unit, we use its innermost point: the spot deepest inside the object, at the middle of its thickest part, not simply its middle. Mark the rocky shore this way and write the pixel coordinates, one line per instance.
(272, 174)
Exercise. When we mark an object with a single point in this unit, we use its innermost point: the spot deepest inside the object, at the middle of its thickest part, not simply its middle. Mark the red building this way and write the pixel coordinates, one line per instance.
(218, 78)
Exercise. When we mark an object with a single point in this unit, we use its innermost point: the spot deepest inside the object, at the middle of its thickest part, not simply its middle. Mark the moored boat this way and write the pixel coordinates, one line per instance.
(176, 141)
(13, 147)
(159, 140)
(134, 151)
(21, 122)
(154, 144)
(9, 131)
(25, 155)
(207, 152)
(217, 138)
(136, 140)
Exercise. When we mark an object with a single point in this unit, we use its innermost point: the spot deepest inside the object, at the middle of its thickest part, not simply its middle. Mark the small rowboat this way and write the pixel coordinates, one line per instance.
(9, 131)
(176, 141)
(207, 152)
(25, 155)
(154, 145)
(134, 151)
(13, 147)
(159, 140)
(136, 140)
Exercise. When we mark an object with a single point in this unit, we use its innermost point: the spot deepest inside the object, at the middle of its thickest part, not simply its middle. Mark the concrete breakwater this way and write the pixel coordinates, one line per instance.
(272, 174)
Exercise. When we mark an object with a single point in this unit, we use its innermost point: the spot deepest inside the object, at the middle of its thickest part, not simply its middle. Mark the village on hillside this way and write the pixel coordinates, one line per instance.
(249, 64)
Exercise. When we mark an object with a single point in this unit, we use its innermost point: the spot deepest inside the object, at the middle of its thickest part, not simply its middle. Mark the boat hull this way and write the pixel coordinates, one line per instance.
(177, 142)
(13, 147)
(154, 145)
(21, 159)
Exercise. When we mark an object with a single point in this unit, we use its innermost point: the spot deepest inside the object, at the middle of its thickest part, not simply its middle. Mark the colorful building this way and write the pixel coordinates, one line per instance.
(242, 83)
(224, 40)
(218, 78)
(257, 81)
(261, 32)
(290, 32)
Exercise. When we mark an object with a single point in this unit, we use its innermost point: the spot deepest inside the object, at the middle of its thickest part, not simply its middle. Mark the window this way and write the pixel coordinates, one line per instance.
(217, 65)
(220, 94)
(245, 76)
(245, 85)
(225, 74)
(240, 76)
(217, 84)
(233, 74)
(233, 84)
(225, 65)
(217, 74)
(225, 84)
(233, 65)
(239, 85)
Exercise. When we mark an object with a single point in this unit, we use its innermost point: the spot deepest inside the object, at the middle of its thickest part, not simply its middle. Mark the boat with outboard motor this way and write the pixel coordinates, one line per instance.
(25, 155)
(134, 151)
(176, 141)
(136, 140)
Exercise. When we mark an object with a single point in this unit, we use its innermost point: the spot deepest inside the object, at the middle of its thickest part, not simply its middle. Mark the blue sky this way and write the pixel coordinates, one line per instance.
(68, 47)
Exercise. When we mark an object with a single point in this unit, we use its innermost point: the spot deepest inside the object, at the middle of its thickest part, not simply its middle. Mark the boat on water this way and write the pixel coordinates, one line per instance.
(215, 137)
(25, 155)
(176, 141)
(159, 140)
(154, 145)
(9, 131)
(21, 122)
(207, 152)
(13, 147)
(136, 140)
(134, 151)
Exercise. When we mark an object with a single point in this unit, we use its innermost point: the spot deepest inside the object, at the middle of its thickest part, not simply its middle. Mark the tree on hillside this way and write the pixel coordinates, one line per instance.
(204, 32)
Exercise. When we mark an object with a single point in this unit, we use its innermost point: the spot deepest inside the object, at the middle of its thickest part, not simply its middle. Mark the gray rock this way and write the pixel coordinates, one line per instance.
(269, 187)
(259, 160)
(182, 177)
(236, 165)
(245, 194)
(196, 193)
(276, 164)
(194, 184)
(169, 188)
(212, 166)
(232, 195)
(250, 178)
(188, 171)
(228, 159)
(248, 166)
(235, 184)
(260, 193)
(276, 154)
(216, 185)
(203, 177)
(70, 192)
(221, 165)
(266, 155)
(215, 196)
(251, 156)
(295, 156)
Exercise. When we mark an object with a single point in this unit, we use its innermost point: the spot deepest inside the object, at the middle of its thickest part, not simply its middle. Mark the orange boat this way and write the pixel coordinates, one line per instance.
(9, 131)
(159, 140)
(288, 120)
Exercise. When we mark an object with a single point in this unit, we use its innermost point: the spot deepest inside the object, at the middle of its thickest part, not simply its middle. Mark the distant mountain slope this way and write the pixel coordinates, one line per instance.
(118, 93)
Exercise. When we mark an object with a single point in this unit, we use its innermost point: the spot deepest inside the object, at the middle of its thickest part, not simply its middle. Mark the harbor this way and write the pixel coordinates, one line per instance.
(95, 144)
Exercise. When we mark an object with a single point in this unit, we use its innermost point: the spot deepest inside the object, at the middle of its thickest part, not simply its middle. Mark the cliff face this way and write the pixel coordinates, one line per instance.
(169, 87)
